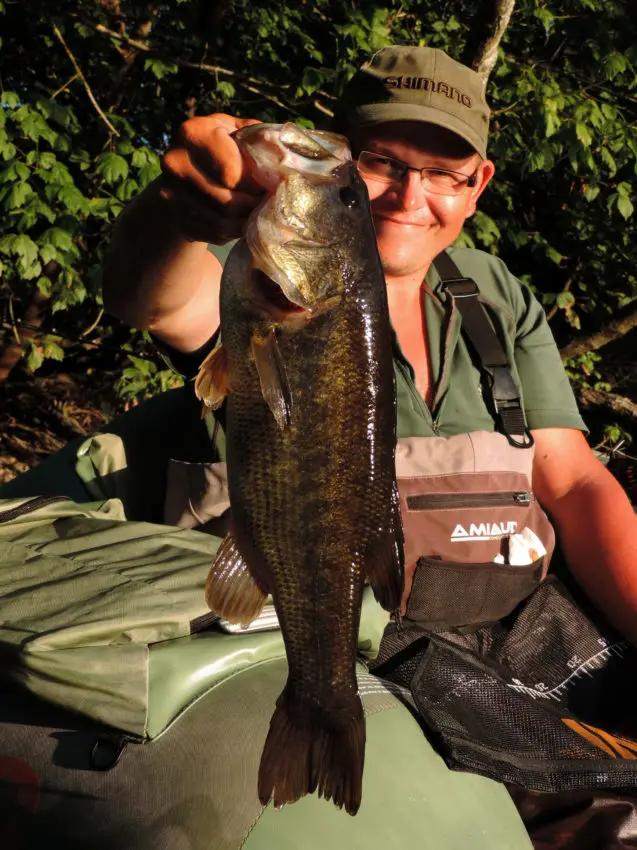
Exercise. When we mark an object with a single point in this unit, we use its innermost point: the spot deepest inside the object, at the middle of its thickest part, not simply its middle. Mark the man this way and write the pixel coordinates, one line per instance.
(416, 114)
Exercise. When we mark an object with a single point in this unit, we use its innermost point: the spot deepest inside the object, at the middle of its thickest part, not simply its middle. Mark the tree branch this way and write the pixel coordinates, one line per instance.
(129, 55)
(619, 404)
(607, 333)
(481, 48)
(83, 78)
(65, 86)
(251, 84)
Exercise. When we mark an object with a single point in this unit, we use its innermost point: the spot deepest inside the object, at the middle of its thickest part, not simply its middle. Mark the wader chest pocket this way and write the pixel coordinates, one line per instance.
(451, 501)
(447, 594)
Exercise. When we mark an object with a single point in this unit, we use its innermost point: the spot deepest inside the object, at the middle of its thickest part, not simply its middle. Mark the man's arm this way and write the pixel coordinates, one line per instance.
(157, 280)
(594, 520)
(159, 274)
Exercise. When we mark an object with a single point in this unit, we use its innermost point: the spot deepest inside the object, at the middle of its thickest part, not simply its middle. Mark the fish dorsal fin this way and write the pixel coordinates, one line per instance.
(275, 388)
(231, 590)
(211, 383)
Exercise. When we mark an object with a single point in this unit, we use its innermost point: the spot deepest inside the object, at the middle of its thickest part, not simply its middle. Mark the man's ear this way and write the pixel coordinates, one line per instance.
(485, 173)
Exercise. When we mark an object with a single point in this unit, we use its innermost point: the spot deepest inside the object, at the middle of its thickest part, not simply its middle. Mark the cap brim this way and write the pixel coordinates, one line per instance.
(385, 113)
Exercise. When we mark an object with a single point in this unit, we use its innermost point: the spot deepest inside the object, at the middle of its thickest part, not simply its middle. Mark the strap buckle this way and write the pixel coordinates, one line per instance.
(460, 287)
(507, 406)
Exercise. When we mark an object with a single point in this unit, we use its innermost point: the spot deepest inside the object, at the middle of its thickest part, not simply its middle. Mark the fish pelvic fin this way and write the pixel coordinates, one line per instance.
(272, 376)
(385, 567)
(310, 749)
(212, 384)
(231, 590)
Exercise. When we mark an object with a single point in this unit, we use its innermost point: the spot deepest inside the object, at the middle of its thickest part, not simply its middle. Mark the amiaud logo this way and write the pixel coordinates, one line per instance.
(483, 531)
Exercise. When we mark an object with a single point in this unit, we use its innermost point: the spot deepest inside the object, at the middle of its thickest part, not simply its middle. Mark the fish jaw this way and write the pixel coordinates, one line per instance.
(287, 234)
(274, 150)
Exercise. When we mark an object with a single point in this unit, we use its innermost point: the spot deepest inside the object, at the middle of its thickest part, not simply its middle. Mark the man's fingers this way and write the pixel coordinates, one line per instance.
(178, 167)
(197, 217)
(205, 175)
(209, 143)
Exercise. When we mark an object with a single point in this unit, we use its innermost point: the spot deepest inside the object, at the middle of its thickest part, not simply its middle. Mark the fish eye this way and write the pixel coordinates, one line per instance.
(349, 197)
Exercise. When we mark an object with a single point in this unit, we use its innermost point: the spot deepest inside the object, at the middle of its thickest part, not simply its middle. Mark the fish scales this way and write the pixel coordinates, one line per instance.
(312, 489)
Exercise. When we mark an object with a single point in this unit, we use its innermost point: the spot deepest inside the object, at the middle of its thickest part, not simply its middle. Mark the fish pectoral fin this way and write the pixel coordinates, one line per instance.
(272, 377)
(385, 568)
(211, 383)
(231, 590)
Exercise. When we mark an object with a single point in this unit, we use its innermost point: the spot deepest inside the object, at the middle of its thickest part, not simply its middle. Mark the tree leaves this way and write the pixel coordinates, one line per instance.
(112, 167)
(564, 129)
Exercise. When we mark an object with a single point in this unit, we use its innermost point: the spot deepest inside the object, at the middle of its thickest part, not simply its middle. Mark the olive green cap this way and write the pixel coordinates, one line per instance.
(417, 84)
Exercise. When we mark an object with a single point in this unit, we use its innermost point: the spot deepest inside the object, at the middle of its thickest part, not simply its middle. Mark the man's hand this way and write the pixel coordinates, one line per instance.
(159, 274)
(206, 181)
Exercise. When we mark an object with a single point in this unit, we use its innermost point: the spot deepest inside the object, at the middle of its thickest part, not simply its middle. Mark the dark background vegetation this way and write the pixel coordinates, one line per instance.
(92, 90)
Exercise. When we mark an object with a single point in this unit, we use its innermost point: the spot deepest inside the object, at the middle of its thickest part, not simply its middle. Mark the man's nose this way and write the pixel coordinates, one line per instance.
(411, 193)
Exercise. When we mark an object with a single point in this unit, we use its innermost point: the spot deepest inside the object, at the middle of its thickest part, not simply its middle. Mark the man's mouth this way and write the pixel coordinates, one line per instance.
(405, 222)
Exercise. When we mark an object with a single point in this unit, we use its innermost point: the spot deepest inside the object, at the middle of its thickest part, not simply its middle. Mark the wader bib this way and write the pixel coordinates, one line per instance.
(464, 497)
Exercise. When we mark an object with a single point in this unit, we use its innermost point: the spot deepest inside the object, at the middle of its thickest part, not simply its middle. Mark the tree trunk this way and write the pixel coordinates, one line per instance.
(490, 23)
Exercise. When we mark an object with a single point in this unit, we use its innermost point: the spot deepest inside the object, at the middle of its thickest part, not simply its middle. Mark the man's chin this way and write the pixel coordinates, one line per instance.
(402, 266)
(397, 261)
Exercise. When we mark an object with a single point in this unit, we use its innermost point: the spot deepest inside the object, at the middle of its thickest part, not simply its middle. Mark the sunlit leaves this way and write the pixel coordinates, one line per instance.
(111, 166)
(564, 136)
(159, 67)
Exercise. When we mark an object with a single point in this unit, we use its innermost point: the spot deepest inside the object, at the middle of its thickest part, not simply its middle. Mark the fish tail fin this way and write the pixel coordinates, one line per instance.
(310, 749)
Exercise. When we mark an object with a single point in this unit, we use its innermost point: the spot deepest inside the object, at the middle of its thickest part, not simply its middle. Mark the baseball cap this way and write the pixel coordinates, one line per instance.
(417, 84)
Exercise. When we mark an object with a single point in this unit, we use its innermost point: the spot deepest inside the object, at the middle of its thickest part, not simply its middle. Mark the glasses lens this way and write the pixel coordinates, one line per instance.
(443, 182)
(380, 167)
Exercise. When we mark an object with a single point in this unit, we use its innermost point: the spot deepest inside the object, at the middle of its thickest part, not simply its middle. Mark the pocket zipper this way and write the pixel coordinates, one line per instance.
(30, 506)
(440, 501)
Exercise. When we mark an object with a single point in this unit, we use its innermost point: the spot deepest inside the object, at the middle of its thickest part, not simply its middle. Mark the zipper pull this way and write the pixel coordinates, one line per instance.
(523, 499)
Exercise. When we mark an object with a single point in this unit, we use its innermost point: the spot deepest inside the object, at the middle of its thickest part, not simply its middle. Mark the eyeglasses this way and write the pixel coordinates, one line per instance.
(439, 181)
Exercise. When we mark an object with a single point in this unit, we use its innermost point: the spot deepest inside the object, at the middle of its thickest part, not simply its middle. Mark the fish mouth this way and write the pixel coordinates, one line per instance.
(275, 298)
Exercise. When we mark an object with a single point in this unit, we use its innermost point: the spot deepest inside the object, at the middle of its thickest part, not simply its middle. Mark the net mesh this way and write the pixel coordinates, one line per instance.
(544, 699)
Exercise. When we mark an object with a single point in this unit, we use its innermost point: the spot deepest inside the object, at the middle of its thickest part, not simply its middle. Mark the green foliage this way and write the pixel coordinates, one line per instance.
(564, 131)
(615, 435)
(143, 379)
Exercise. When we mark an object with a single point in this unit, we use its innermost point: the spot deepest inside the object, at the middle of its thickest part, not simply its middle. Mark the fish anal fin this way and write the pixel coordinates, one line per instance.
(272, 377)
(313, 749)
(385, 566)
(231, 590)
(212, 381)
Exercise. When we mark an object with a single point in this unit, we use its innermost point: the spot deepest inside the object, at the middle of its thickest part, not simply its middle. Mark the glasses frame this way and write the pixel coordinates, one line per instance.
(471, 179)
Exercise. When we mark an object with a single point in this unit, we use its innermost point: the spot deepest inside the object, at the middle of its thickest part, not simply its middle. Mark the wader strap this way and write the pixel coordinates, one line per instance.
(503, 396)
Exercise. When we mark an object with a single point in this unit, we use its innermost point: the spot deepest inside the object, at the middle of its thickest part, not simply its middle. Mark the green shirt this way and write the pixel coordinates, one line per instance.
(535, 362)
(458, 406)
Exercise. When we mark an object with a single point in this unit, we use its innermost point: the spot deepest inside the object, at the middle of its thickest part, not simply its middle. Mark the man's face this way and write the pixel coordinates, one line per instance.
(413, 225)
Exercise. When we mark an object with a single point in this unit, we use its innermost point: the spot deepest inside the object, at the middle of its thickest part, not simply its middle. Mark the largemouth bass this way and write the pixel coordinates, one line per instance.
(306, 365)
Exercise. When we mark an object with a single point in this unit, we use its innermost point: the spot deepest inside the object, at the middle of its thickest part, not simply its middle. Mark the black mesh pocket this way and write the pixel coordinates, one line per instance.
(545, 702)
(448, 595)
